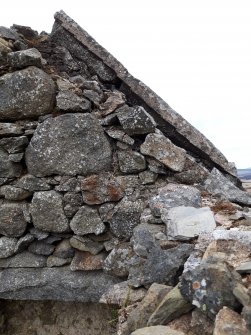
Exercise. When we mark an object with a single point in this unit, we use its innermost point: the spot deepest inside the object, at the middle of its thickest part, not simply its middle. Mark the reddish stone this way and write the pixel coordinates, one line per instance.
(84, 260)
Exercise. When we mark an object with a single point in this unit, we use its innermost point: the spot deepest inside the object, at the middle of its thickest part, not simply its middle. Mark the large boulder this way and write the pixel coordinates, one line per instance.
(27, 93)
(69, 144)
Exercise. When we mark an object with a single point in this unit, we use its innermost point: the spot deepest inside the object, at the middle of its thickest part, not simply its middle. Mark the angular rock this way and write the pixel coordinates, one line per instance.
(114, 100)
(210, 286)
(68, 184)
(54, 284)
(16, 158)
(25, 58)
(85, 261)
(37, 98)
(148, 177)
(131, 161)
(135, 120)
(78, 136)
(200, 323)
(184, 223)
(97, 189)
(68, 101)
(14, 145)
(23, 260)
(41, 248)
(161, 148)
(7, 246)
(38, 234)
(53, 261)
(8, 169)
(14, 193)
(246, 313)
(93, 96)
(171, 307)
(216, 183)
(24, 242)
(174, 195)
(7, 129)
(86, 244)
(193, 172)
(72, 203)
(12, 220)
(140, 315)
(157, 330)
(64, 249)
(122, 295)
(87, 221)
(119, 260)
(8, 34)
(244, 267)
(120, 135)
(47, 212)
(31, 183)
(228, 322)
(125, 217)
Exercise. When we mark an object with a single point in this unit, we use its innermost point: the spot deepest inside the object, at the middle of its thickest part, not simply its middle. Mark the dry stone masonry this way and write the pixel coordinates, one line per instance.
(108, 195)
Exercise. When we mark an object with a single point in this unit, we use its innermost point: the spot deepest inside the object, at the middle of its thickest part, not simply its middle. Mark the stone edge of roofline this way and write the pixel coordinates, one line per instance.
(183, 127)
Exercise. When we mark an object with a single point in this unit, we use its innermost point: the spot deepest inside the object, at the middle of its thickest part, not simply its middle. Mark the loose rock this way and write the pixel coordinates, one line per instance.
(12, 220)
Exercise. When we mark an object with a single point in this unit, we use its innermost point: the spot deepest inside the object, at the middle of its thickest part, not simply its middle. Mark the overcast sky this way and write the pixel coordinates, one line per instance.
(195, 54)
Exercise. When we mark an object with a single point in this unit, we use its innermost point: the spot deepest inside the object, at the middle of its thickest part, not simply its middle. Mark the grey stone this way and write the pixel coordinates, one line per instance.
(114, 99)
(148, 177)
(7, 246)
(83, 83)
(10, 129)
(8, 34)
(87, 221)
(23, 242)
(64, 249)
(78, 136)
(86, 244)
(119, 260)
(157, 167)
(54, 284)
(24, 259)
(210, 286)
(97, 189)
(161, 148)
(120, 135)
(68, 184)
(228, 322)
(41, 248)
(122, 295)
(24, 58)
(174, 195)
(157, 330)
(47, 212)
(109, 120)
(31, 183)
(135, 120)
(111, 244)
(53, 261)
(93, 96)
(184, 223)
(193, 172)
(16, 158)
(85, 261)
(216, 183)
(38, 234)
(244, 268)
(8, 169)
(246, 313)
(131, 161)
(37, 98)
(68, 101)
(140, 315)
(14, 193)
(126, 215)
(72, 203)
(14, 145)
(172, 306)
(12, 220)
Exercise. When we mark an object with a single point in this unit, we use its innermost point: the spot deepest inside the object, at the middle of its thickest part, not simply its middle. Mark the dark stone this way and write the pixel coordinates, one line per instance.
(8, 169)
(86, 244)
(8, 34)
(32, 82)
(23, 260)
(85, 261)
(68, 101)
(68, 184)
(24, 242)
(31, 183)
(131, 161)
(24, 58)
(72, 203)
(12, 219)
(75, 136)
(7, 246)
(14, 193)
(14, 145)
(41, 248)
(47, 212)
(64, 249)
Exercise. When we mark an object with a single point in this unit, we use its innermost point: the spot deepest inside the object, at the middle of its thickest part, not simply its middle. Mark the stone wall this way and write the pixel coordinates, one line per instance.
(104, 189)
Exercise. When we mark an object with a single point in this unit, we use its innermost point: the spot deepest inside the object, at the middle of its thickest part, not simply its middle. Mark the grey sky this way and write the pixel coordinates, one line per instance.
(195, 54)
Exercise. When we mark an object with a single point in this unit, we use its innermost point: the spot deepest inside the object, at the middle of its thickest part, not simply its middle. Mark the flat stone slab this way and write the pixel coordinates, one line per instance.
(54, 284)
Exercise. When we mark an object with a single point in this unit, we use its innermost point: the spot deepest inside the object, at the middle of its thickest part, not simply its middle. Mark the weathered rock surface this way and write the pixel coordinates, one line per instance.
(68, 101)
(68, 144)
(86, 244)
(156, 330)
(54, 284)
(27, 93)
(135, 120)
(8, 169)
(87, 221)
(25, 58)
(23, 260)
(131, 161)
(184, 223)
(174, 195)
(12, 219)
(31, 183)
(41, 248)
(216, 183)
(47, 212)
(85, 261)
(14, 145)
(228, 322)
(161, 148)
(7, 246)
